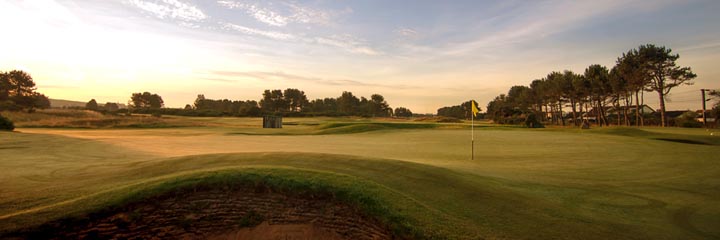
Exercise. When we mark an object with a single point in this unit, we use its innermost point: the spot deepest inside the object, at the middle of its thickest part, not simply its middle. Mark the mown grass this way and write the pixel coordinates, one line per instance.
(688, 136)
(346, 128)
(524, 183)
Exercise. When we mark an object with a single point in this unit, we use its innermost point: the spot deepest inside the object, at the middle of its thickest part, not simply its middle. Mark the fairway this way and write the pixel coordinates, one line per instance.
(615, 183)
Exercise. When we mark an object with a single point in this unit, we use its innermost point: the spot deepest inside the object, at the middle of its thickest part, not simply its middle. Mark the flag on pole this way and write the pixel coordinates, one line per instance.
(475, 109)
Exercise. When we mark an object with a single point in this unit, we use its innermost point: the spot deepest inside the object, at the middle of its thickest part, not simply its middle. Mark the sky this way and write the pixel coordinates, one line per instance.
(422, 55)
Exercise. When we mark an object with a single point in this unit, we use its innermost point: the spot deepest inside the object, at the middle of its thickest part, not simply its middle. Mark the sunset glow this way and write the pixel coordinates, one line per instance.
(421, 55)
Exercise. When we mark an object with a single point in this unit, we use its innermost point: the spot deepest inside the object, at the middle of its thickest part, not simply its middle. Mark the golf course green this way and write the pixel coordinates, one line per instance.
(416, 177)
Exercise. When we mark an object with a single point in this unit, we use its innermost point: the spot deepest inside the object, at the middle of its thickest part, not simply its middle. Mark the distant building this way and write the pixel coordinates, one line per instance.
(611, 111)
(673, 114)
(644, 109)
(272, 121)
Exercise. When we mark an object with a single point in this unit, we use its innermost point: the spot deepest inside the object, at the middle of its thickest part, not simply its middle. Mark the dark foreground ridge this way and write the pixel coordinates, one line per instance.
(245, 213)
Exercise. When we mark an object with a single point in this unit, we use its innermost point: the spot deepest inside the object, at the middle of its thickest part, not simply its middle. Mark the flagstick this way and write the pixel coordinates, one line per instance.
(472, 133)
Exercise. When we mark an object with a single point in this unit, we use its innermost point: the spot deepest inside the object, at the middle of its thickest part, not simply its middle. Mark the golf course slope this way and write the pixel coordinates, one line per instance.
(395, 181)
(226, 204)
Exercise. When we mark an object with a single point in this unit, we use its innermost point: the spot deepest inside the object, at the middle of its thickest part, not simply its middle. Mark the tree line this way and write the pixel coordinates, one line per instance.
(288, 102)
(18, 92)
(590, 95)
(461, 111)
(107, 107)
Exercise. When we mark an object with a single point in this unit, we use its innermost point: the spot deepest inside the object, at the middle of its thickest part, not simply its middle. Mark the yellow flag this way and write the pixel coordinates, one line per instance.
(475, 109)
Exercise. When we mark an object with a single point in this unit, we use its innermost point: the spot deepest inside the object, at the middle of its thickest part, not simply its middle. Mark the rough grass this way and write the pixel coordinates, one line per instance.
(69, 118)
(523, 183)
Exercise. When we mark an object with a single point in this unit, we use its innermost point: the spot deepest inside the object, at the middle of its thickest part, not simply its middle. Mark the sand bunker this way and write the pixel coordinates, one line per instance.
(218, 214)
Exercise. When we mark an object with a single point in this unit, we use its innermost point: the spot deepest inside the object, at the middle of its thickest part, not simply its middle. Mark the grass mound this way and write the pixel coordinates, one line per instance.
(439, 119)
(317, 193)
(339, 128)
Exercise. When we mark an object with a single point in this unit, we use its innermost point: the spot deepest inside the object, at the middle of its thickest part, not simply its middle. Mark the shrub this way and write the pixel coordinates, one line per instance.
(9, 106)
(531, 121)
(6, 124)
(687, 120)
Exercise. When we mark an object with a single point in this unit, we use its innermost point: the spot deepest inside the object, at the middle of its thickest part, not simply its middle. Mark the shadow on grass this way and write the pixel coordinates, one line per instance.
(668, 137)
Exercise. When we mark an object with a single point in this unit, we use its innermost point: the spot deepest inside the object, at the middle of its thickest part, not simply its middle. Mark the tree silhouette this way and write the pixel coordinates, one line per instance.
(659, 63)
(146, 100)
(91, 105)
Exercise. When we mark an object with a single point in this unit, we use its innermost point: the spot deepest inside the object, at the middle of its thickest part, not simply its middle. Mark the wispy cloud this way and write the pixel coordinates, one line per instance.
(170, 9)
(220, 80)
(315, 16)
(348, 43)
(280, 15)
(258, 32)
(264, 15)
(700, 46)
(531, 22)
(406, 32)
(281, 76)
(345, 42)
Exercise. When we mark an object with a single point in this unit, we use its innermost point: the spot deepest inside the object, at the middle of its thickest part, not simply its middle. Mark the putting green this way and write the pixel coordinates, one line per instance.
(524, 183)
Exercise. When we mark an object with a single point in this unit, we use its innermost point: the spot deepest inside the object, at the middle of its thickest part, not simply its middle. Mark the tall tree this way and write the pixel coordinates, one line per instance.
(537, 94)
(17, 92)
(199, 102)
(618, 86)
(347, 103)
(273, 101)
(22, 83)
(378, 106)
(111, 107)
(630, 67)
(5, 86)
(295, 99)
(599, 79)
(403, 112)
(582, 88)
(520, 97)
(659, 63)
(499, 109)
(555, 88)
(146, 100)
(570, 93)
(91, 105)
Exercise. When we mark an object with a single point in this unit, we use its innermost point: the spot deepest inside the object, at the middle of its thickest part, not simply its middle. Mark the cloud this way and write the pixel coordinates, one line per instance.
(309, 15)
(172, 9)
(261, 14)
(220, 80)
(258, 32)
(406, 32)
(294, 13)
(700, 46)
(530, 22)
(281, 76)
(348, 43)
